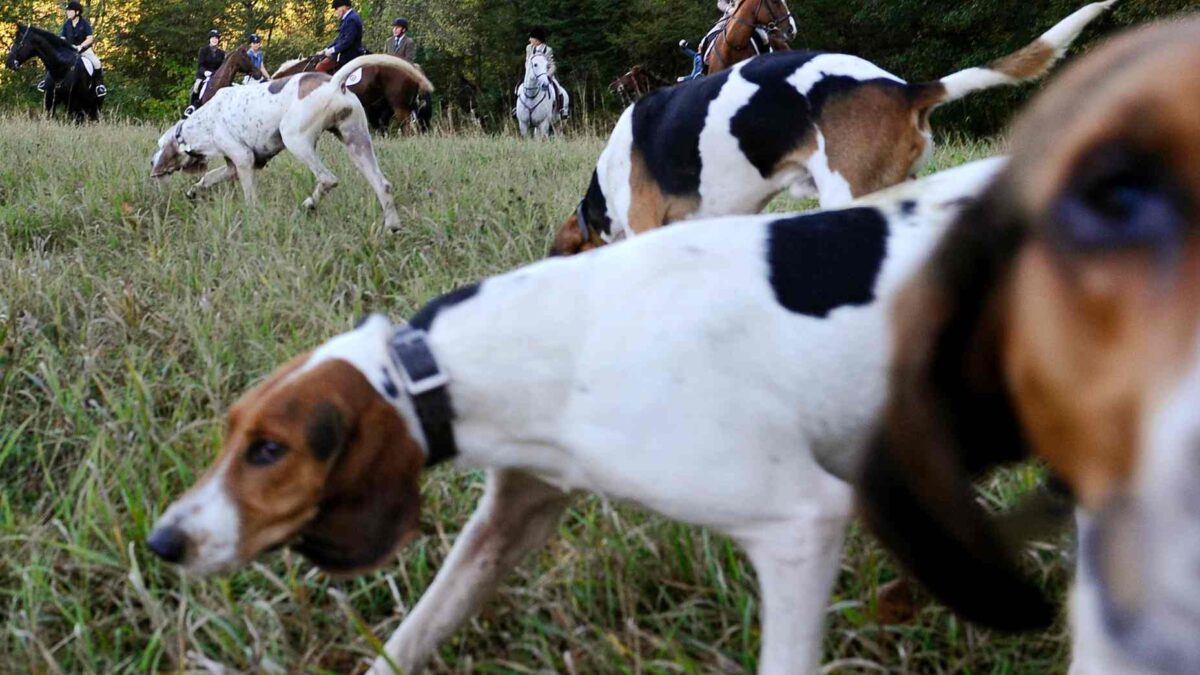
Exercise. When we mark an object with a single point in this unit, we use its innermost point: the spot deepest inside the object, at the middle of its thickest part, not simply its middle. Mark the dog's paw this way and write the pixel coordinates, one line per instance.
(191, 194)
(309, 204)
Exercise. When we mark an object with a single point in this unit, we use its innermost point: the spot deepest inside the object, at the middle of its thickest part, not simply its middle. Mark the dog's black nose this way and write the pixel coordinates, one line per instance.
(168, 543)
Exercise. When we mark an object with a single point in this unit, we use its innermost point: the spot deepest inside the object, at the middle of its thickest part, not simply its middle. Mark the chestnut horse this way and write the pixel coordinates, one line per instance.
(735, 40)
(237, 61)
(384, 93)
(635, 84)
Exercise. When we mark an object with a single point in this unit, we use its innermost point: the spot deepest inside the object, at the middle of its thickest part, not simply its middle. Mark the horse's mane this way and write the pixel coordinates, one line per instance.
(42, 32)
(285, 65)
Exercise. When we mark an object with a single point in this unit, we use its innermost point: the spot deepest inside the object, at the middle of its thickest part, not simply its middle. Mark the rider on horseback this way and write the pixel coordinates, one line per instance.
(208, 60)
(77, 31)
(255, 54)
(537, 45)
(348, 44)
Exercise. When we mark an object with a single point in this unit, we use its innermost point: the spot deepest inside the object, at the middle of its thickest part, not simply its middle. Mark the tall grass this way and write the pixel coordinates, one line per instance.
(130, 318)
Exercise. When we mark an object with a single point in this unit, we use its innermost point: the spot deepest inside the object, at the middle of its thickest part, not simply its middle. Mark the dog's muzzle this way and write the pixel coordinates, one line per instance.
(1146, 576)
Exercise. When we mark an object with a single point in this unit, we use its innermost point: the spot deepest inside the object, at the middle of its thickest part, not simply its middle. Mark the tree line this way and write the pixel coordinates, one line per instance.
(473, 50)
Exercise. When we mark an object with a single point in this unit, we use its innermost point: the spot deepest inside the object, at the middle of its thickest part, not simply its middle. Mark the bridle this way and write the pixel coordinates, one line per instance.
(532, 89)
(19, 43)
(772, 25)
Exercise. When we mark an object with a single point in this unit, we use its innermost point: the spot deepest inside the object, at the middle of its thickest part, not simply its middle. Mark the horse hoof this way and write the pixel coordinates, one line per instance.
(310, 204)
(190, 194)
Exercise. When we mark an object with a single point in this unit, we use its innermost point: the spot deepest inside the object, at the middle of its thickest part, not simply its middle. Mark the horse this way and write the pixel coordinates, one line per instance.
(385, 93)
(536, 99)
(68, 82)
(237, 61)
(635, 84)
(736, 37)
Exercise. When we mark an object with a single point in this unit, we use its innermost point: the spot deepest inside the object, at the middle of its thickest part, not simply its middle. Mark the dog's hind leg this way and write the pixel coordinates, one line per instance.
(357, 138)
(303, 145)
(797, 563)
(517, 514)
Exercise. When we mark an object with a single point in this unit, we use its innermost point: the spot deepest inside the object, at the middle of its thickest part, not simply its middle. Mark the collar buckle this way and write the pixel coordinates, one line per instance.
(418, 369)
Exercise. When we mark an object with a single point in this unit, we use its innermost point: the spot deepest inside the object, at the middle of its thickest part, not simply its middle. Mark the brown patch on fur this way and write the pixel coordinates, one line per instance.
(309, 82)
(649, 207)
(872, 137)
(568, 240)
(278, 84)
(354, 499)
(1030, 61)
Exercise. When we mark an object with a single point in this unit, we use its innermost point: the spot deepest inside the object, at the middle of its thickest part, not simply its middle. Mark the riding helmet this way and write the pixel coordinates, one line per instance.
(402, 22)
(214, 33)
(255, 38)
(538, 33)
(339, 3)
(74, 4)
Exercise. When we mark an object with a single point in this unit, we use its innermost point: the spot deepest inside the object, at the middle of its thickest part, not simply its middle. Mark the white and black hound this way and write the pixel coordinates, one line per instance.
(247, 126)
(740, 402)
(832, 125)
(1060, 318)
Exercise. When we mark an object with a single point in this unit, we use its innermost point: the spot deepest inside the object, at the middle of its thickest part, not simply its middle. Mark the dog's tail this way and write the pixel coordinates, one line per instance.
(383, 61)
(1028, 63)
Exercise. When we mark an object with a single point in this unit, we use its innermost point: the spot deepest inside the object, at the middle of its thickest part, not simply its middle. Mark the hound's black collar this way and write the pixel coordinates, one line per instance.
(581, 220)
(426, 386)
(182, 145)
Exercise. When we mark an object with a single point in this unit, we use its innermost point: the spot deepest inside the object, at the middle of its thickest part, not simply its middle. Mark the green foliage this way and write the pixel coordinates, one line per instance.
(473, 49)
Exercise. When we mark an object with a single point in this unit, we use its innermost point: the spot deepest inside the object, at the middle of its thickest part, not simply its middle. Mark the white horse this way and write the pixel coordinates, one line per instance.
(536, 98)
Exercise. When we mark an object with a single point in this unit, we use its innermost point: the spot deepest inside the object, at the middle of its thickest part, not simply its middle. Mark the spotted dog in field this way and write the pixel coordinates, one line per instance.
(831, 125)
(1060, 318)
(249, 125)
(739, 403)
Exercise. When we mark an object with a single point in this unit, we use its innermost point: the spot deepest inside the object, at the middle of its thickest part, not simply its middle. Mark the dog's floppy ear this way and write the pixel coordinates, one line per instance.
(948, 419)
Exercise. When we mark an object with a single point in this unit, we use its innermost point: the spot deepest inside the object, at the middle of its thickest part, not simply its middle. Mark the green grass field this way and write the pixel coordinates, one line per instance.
(130, 318)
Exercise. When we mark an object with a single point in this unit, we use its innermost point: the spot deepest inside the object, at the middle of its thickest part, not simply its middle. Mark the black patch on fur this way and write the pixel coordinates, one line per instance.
(908, 207)
(325, 431)
(424, 318)
(389, 387)
(595, 207)
(777, 120)
(826, 260)
(666, 131)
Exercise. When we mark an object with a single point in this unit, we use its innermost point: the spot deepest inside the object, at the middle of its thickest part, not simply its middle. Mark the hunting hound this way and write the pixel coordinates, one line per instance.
(249, 125)
(1060, 317)
(739, 403)
(831, 125)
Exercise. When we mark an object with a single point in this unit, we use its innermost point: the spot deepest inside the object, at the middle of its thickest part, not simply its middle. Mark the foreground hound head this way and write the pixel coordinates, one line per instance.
(1061, 316)
(317, 456)
(173, 155)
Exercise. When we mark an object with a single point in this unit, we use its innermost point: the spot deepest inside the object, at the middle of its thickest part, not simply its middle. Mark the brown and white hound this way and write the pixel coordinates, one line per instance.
(1060, 318)
(818, 124)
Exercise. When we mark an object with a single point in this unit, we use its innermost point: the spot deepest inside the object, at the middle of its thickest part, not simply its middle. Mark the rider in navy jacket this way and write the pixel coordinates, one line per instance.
(349, 38)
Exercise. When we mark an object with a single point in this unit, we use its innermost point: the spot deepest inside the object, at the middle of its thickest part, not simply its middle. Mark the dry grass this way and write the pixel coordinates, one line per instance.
(129, 319)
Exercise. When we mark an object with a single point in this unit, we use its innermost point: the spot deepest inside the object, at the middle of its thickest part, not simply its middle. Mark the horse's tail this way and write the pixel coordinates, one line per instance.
(1028, 63)
(383, 61)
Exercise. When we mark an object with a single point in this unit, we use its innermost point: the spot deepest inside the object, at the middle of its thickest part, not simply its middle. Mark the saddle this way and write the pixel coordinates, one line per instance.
(760, 41)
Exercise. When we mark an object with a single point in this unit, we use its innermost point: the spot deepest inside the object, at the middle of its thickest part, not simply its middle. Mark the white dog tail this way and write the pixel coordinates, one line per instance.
(384, 61)
(1028, 63)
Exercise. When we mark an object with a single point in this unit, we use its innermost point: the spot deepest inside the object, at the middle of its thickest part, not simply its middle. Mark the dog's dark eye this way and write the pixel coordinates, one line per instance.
(262, 453)
(1121, 200)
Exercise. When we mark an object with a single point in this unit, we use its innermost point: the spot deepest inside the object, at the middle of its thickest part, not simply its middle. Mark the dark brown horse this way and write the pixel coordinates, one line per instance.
(237, 61)
(385, 93)
(735, 41)
(636, 83)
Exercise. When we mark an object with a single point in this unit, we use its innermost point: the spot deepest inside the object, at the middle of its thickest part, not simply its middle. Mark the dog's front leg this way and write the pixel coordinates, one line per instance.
(796, 563)
(302, 143)
(516, 515)
(218, 175)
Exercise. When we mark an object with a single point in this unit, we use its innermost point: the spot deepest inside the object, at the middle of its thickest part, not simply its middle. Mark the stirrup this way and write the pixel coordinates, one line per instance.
(41, 86)
(101, 91)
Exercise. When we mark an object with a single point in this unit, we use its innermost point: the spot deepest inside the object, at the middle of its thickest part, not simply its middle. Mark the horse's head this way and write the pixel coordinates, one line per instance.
(172, 155)
(773, 15)
(626, 82)
(22, 48)
(539, 67)
(239, 59)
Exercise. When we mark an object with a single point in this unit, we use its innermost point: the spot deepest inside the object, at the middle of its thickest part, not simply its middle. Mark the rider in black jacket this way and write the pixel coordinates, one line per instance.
(210, 57)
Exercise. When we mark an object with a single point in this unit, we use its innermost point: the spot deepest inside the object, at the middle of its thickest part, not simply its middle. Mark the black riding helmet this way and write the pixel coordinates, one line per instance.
(339, 3)
(214, 33)
(75, 6)
(402, 22)
(255, 38)
(538, 33)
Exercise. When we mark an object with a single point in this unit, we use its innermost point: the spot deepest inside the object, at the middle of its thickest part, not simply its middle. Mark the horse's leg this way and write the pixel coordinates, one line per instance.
(357, 138)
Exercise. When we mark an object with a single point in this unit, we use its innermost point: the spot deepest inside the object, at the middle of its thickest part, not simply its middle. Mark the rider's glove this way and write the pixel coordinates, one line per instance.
(79, 48)
(328, 51)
